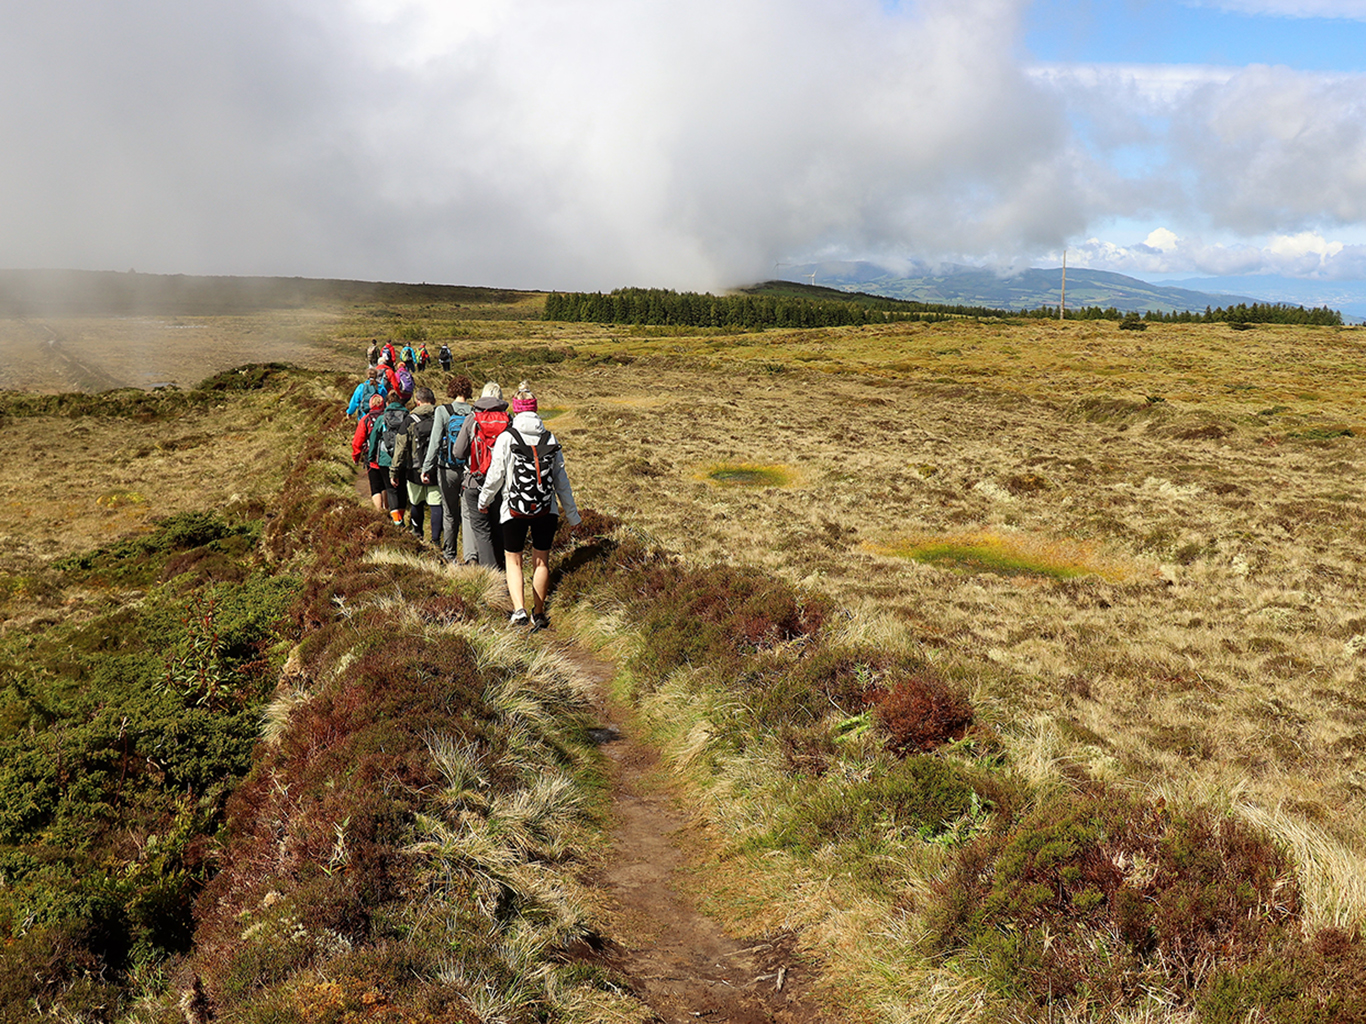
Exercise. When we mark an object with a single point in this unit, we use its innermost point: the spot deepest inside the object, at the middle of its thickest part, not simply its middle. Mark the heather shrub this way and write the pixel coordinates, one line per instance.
(918, 711)
(717, 615)
(1321, 981)
(1098, 898)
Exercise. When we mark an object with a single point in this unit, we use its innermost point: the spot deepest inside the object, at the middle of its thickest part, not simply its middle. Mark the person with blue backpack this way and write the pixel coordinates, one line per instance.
(440, 465)
(383, 441)
(372, 385)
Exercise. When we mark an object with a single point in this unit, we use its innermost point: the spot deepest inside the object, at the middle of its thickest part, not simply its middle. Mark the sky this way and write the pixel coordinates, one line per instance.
(594, 144)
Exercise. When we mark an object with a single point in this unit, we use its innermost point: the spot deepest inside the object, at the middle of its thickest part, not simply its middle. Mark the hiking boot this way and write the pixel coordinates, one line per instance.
(540, 620)
(519, 618)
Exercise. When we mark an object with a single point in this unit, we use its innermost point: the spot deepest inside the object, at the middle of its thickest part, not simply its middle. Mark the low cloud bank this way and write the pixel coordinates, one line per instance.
(600, 143)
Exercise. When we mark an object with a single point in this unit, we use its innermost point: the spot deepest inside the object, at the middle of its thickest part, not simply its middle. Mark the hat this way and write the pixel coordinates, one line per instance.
(376, 401)
(524, 400)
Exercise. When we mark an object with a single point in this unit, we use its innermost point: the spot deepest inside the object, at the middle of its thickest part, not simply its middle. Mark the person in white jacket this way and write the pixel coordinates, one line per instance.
(542, 523)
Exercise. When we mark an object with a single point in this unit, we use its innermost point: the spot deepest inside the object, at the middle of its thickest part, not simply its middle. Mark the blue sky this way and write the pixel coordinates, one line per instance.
(1167, 32)
(607, 143)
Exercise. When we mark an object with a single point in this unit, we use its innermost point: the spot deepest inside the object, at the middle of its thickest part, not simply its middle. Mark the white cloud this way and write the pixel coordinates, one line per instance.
(552, 143)
(1304, 255)
(597, 143)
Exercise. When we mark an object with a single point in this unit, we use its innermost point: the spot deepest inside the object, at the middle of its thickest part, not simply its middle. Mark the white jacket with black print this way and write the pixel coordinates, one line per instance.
(531, 427)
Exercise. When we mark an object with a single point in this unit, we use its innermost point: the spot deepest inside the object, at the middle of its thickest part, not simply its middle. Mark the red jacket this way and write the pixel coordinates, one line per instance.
(361, 441)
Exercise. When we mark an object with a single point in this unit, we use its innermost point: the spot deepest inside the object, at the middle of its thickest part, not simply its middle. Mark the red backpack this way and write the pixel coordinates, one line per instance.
(488, 424)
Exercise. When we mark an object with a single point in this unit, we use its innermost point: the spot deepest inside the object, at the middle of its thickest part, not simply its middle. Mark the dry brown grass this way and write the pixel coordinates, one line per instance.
(1226, 657)
(1227, 663)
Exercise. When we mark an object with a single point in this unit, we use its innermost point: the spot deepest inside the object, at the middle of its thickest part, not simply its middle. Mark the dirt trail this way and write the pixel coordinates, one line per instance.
(679, 961)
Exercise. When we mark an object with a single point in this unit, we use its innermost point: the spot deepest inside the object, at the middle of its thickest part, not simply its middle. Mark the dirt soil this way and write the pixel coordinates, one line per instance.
(680, 962)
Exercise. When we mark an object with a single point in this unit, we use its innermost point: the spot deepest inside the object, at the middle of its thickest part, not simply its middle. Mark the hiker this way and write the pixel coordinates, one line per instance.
(360, 446)
(422, 357)
(528, 467)
(405, 469)
(397, 379)
(360, 398)
(440, 466)
(388, 354)
(372, 353)
(383, 440)
(444, 355)
(407, 359)
(475, 444)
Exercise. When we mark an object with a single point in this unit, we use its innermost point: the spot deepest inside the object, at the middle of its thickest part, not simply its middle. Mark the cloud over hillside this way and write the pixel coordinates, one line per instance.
(596, 143)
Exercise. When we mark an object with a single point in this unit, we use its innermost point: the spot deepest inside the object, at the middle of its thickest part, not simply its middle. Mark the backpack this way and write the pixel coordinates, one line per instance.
(405, 380)
(488, 424)
(390, 425)
(445, 456)
(530, 487)
(419, 430)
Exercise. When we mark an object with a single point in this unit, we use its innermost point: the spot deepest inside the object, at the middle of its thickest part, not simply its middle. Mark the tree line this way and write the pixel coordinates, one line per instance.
(657, 306)
(660, 306)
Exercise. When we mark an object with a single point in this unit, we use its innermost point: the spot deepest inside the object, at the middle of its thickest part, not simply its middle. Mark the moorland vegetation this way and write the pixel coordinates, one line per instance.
(1015, 666)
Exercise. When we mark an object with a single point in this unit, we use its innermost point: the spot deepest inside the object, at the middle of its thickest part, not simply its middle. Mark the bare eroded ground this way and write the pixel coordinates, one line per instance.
(680, 962)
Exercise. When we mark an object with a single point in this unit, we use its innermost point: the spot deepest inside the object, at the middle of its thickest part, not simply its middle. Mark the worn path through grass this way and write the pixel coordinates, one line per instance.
(680, 962)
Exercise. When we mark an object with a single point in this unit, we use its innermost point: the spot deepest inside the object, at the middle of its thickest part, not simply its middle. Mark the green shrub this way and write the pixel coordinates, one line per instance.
(1096, 899)
(919, 796)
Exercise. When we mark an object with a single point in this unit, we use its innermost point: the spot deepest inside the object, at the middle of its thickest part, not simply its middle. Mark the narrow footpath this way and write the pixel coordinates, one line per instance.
(679, 961)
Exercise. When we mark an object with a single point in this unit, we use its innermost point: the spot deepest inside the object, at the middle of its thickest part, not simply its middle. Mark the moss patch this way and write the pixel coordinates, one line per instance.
(1012, 555)
(748, 475)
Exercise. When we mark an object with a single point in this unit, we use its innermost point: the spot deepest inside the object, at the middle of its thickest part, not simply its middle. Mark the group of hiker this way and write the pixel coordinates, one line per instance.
(483, 480)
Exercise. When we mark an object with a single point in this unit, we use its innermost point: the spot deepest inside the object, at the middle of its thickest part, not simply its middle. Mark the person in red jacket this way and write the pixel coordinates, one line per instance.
(360, 445)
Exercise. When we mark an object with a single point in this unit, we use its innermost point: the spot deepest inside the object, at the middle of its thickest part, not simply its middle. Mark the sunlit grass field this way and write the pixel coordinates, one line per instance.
(1150, 540)
(1139, 554)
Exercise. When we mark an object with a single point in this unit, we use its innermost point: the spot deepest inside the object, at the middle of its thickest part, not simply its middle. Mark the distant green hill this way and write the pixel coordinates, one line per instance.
(1029, 289)
(88, 292)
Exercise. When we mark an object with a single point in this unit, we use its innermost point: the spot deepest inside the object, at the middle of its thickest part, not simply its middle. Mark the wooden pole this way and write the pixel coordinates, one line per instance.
(1062, 299)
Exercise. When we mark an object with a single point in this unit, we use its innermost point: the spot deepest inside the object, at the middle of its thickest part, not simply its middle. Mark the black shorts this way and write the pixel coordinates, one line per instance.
(379, 480)
(542, 532)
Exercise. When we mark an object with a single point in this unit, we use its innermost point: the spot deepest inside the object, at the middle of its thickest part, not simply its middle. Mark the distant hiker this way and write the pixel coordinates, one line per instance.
(372, 385)
(408, 359)
(440, 466)
(372, 353)
(388, 354)
(528, 467)
(475, 444)
(360, 448)
(445, 357)
(422, 357)
(383, 440)
(405, 469)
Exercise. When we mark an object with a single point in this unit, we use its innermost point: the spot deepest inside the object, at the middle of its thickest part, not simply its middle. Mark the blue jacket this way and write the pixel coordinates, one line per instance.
(360, 398)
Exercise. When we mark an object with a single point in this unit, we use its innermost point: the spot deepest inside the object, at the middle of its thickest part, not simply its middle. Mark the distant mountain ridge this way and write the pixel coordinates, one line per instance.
(1028, 289)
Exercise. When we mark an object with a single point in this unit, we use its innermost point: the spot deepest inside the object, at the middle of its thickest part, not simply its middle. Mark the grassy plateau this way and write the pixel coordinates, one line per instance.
(1017, 668)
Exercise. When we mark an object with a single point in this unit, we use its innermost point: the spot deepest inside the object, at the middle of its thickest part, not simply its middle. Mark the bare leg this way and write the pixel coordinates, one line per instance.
(515, 584)
(540, 577)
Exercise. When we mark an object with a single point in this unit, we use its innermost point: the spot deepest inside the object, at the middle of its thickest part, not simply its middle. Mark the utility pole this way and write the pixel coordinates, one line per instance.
(1062, 299)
